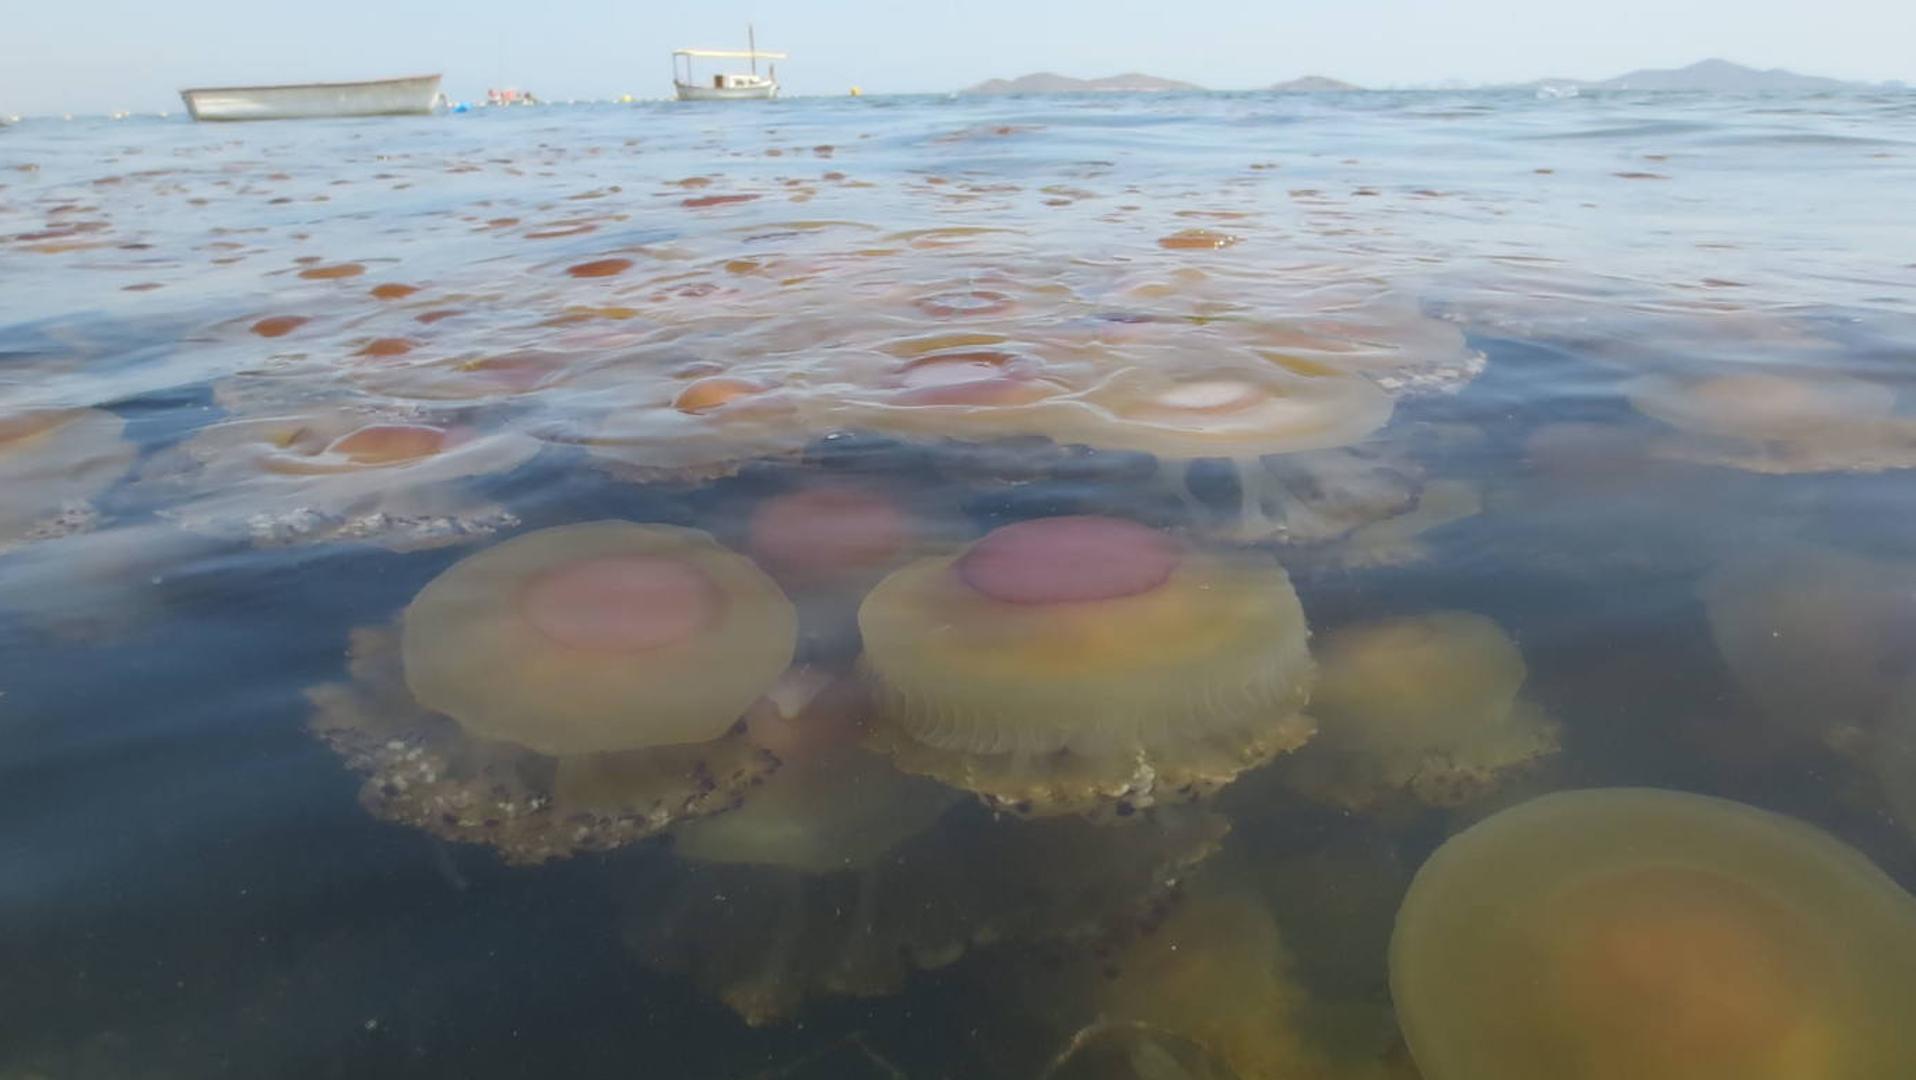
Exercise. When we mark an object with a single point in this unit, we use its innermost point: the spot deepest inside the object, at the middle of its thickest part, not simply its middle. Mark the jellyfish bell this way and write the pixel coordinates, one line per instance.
(828, 542)
(840, 808)
(1817, 638)
(467, 378)
(981, 377)
(691, 425)
(1760, 405)
(391, 478)
(1286, 436)
(828, 531)
(423, 769)
(763, 935)
(1647, 933)
(598, 637)
(1424, 707)
(52, 462)
(1070, 664)
(1232, 411)
(572, 689)
(1771, 422)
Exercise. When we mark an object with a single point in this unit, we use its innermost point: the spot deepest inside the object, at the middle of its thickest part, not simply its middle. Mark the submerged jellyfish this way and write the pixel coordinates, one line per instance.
(1424, 706)
(52, 461)
(1127, 1050)
(828, 544)
(338, 475)
(1649, 934)
(1774, 423)
(1086, 665)
(1203, 987)
(1816, 638)
(763, 938)
(1216, 971)
(837, 809)
(571, 689)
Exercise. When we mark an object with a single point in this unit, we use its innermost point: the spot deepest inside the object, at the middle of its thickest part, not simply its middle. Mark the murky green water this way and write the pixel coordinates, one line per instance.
(960, 589)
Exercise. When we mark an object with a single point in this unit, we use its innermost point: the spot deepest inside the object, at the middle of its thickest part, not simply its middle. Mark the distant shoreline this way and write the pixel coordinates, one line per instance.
(1704, 76)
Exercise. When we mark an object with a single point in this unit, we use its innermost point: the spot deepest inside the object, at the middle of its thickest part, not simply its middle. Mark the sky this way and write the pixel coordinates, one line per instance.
(96, 56)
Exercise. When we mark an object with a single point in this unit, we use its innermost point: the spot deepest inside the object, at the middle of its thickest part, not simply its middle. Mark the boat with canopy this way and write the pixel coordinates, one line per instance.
(726, 86)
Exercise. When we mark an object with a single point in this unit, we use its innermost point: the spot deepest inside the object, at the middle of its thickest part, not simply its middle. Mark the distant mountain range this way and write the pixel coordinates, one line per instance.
(1045, 82)
(1709, 76)
(1314, 84)
(1706, 76)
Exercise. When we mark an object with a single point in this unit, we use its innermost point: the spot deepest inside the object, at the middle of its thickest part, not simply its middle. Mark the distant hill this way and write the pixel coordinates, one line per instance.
(1709, 76)
(1045, 82)
(1314, 84)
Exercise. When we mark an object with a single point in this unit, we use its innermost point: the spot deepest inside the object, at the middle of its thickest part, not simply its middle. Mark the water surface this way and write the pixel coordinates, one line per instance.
(1520, 300)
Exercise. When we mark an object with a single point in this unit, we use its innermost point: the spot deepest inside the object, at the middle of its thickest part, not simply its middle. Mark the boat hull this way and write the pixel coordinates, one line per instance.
(691, 92)
(412, 96)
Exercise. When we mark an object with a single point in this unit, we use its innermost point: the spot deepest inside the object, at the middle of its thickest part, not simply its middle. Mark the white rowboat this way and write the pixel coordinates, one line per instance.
(410, 96)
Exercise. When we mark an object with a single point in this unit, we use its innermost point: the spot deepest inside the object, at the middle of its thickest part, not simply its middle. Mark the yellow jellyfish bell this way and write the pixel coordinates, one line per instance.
(1654, 935)
(1083, 664)
(1425, 705)
(598, 637)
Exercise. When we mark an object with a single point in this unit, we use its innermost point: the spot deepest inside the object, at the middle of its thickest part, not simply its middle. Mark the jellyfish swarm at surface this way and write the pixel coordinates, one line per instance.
(1650, 934)
(575, 688)
(1085, 664)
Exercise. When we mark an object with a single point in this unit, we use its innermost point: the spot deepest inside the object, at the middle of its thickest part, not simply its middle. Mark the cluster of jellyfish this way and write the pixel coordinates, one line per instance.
(1026, 752)
(901, 743)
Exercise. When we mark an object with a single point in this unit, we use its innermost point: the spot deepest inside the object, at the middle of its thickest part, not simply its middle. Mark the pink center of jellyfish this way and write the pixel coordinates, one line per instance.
(622, 603)
(816, 534)
(1068, 559)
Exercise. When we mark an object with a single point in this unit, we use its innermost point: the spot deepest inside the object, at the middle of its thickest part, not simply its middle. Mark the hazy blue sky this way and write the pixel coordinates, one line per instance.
(100, 55)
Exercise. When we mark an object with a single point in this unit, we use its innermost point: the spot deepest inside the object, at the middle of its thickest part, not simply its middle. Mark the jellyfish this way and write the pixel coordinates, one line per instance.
(766, 938)
(1086, 665)
(1649, 933)
(1215, 970)
(572, 689)
(1818, 639)
(1278, 428)
(100, 584)
(1205, 982)
(1420, 707)
(509, 374)
(827, 543)
(1127, 1050)
(840, 808)
(698, 425)
(1766, 422)
(52, 463)
(334, 475)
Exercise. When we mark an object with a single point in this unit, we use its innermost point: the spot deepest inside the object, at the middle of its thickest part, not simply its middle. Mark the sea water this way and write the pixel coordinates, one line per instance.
(190, 885)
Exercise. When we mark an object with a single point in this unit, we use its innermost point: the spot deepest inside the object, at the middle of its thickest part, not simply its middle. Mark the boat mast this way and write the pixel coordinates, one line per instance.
(751, 46)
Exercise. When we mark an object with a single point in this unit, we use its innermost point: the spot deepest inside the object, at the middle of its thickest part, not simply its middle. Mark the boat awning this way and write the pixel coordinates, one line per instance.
(729, 54)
